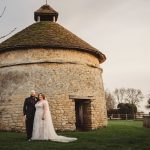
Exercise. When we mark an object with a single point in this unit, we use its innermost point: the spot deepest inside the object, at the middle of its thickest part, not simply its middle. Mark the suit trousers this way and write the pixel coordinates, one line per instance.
(29, 127)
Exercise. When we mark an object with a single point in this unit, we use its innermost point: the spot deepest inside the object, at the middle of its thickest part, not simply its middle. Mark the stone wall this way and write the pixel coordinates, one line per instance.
(47, 55)
(58, 74)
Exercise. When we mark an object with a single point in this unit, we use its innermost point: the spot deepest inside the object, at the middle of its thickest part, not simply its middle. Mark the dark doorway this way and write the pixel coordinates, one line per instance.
(83, 114)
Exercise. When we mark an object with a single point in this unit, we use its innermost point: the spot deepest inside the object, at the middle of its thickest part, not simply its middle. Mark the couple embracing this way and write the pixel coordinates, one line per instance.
(39, 125)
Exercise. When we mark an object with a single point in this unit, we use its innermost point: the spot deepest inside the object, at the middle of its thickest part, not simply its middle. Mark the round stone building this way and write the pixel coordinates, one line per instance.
(48, 58)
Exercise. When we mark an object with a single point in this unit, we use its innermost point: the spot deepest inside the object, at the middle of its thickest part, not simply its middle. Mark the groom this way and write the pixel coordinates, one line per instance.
(29, 111)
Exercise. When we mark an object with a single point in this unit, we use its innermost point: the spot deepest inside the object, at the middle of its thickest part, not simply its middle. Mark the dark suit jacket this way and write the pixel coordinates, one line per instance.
(29, 107)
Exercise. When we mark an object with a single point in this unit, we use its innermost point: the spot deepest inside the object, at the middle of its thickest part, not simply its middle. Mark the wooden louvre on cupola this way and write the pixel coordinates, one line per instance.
(46, 13)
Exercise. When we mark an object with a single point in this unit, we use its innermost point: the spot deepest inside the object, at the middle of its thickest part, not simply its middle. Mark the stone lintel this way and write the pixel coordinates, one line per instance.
(81, 97)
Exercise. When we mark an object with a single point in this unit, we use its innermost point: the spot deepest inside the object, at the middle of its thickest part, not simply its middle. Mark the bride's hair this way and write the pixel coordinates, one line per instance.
(41, 95)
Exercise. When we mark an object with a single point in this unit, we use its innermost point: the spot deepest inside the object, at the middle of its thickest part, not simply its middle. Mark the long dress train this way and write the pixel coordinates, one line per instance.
(44, 129)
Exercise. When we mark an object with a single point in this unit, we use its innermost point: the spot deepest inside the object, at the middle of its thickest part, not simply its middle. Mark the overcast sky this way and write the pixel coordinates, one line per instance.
(118, 28)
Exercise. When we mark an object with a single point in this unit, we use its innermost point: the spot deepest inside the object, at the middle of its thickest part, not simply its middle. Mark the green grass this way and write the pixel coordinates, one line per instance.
(119, 135)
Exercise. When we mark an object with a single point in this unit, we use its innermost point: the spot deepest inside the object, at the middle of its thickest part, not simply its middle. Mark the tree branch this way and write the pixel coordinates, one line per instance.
(8, 33)
(3, 12)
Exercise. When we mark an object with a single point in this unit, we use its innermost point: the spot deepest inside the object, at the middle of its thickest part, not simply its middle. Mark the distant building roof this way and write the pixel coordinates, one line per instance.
(46, 34)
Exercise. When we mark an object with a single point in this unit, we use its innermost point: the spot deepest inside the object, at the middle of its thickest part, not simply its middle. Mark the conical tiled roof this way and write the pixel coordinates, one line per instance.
(46, 34)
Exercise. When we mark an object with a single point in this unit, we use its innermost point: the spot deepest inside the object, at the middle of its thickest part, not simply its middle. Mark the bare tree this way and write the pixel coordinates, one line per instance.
(148, 101)
(134, 96)
(129, 95)
(10, 32)
(1, 15)
(3, 11)
(120, 94)
(148, 105)
(110, 100)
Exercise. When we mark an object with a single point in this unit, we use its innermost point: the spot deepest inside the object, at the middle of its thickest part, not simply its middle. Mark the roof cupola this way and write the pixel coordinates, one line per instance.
(46, 13)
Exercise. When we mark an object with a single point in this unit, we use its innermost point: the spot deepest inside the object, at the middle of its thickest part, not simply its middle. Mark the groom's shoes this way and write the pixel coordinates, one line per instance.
(29, 140)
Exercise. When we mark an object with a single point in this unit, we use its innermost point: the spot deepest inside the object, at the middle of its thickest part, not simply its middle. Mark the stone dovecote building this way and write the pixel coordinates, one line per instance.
(50, 59)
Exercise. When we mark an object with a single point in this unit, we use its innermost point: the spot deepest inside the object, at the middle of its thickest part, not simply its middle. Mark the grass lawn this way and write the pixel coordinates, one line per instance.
(119, 135)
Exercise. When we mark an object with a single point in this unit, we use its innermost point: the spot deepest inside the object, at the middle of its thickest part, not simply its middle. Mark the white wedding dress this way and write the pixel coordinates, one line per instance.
(44, 129)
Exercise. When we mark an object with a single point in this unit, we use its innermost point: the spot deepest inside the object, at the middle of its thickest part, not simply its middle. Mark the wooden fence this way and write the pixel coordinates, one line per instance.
(126, 116)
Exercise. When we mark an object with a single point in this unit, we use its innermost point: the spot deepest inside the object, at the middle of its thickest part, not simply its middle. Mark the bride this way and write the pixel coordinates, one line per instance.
(43, 128)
